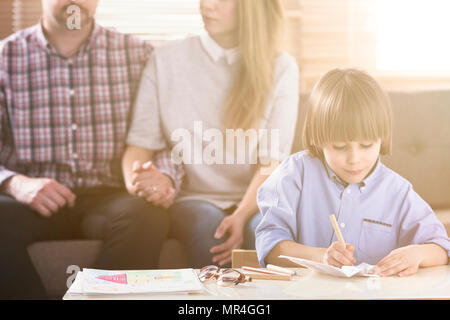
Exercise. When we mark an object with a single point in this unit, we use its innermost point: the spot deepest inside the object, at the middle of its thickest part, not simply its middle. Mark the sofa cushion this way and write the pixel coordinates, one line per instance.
(56, 261)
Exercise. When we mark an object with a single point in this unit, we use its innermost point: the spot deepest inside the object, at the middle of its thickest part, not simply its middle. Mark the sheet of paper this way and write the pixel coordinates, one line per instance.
(346, 271)
(93, 281)
(77, 285)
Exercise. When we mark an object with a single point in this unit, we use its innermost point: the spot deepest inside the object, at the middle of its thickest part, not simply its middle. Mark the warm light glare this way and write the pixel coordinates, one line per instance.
(413, 35)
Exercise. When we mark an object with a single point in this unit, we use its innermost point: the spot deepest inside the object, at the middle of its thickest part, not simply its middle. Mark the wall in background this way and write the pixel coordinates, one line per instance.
(323, 34)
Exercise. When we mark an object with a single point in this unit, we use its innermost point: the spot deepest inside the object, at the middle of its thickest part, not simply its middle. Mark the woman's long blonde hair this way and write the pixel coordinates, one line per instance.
(261, 38)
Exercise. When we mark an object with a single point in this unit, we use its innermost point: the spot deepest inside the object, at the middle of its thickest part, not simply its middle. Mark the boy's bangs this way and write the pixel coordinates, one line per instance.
(350, 119)
(352, 125)
(347, 105)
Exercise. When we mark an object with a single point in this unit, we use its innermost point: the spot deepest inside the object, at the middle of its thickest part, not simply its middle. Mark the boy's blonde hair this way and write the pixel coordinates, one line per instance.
(261, 39)
(347, 105)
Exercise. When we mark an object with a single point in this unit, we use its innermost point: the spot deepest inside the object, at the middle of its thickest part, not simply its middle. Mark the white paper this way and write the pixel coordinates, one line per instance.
(77, 285)
(93, 281)
(346, 271)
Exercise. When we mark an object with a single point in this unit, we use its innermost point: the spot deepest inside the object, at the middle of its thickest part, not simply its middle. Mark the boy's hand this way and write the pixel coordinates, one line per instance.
(403, 261)
(338, 255)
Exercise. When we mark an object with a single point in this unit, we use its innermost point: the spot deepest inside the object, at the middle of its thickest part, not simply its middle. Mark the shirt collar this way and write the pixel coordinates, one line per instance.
(363, 184)
(216, 52)
(44, 44)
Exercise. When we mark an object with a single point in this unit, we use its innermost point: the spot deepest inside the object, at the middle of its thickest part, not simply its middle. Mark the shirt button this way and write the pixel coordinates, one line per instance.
(74, 126)
(72, 92)
(342, 225)
(74, 156)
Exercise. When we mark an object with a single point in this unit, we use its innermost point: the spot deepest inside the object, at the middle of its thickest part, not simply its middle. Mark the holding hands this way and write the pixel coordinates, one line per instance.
(152, 185)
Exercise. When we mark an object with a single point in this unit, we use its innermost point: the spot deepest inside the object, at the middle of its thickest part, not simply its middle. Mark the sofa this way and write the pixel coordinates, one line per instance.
(421, 153)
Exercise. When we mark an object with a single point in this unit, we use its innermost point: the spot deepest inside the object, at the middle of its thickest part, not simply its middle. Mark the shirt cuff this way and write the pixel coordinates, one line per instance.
(5, 174)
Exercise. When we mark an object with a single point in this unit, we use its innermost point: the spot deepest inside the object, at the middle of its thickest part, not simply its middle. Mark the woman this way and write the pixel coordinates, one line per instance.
(196, 91)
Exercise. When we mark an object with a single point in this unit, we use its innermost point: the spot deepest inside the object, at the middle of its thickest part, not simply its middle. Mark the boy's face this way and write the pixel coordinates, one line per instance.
(352, 161)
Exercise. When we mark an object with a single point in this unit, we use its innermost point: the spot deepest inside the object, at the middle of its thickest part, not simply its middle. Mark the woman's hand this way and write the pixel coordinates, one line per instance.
(152, 185)
(234, 226)
(403, 261)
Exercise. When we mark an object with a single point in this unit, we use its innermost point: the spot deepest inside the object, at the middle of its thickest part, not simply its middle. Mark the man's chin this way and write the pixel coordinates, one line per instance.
(85, 23)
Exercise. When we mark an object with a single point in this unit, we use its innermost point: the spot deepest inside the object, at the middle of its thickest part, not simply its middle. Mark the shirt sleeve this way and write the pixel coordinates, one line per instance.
(278, 199)
(283, 112)
(146, 130)
(4, 173)
(164, 163)
(419, 223)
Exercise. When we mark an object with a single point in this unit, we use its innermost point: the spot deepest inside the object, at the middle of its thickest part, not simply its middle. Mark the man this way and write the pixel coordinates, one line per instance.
(65, 105)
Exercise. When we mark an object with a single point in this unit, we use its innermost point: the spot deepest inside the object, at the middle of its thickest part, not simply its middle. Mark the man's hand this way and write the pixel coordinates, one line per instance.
(46, 196)
(149, 183)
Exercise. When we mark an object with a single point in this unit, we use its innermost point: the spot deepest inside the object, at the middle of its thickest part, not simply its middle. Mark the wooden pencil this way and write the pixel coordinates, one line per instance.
(336, 229)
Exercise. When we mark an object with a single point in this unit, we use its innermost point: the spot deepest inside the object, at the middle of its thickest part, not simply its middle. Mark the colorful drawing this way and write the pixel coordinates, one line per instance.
(141, 277)
(118, 278)
(140, 281)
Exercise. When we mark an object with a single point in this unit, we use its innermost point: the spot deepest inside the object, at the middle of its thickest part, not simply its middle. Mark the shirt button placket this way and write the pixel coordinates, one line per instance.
(74, 126)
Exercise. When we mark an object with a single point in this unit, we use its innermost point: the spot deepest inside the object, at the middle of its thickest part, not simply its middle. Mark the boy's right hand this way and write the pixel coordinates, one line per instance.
(338, 255)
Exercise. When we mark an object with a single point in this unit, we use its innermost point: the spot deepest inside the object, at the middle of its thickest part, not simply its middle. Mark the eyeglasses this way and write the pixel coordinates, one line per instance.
(225, 277)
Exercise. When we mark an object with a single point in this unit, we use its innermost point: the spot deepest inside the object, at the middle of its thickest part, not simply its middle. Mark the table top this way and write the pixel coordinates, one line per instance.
(427, 283)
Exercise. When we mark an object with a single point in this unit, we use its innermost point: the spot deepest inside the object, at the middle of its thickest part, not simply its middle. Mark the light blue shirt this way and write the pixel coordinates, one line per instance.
(380, 214)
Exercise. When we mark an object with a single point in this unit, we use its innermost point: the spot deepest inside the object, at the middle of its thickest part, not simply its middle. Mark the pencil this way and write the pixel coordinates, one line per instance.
(280, 269)
(336, 229)
(264, 274)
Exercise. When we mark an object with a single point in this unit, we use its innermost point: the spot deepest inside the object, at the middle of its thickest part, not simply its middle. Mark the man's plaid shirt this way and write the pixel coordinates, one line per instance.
(67, 119)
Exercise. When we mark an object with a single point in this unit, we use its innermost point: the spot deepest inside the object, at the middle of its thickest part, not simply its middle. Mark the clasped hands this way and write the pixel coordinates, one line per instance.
(149, 183)
(403, 261)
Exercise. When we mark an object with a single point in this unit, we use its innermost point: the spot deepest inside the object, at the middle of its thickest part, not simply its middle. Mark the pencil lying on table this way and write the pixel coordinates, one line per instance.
(272, 267)
(264, 274)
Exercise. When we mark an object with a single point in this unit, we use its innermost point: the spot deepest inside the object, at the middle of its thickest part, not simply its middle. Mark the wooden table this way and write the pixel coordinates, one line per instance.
(427, 283)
